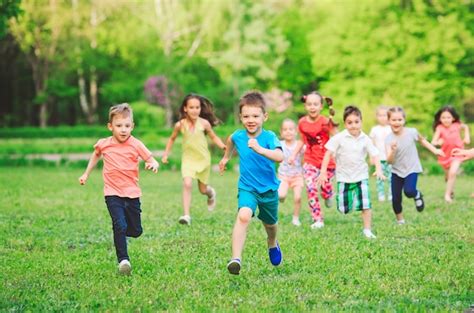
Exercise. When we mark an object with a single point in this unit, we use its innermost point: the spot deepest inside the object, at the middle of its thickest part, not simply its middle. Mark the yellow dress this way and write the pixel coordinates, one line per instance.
(196, 158)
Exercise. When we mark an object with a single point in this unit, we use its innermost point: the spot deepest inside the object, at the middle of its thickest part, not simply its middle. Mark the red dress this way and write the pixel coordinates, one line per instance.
(451, 137)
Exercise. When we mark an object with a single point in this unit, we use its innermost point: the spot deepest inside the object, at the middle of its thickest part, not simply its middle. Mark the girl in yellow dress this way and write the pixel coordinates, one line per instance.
(197, 120)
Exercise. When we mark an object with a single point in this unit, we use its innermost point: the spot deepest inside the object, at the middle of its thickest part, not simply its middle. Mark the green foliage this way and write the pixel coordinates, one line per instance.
(56, 239)
(148, 116)
(8, 9)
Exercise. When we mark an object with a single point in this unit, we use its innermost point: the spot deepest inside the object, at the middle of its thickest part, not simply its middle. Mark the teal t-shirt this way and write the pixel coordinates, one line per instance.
(257, 173)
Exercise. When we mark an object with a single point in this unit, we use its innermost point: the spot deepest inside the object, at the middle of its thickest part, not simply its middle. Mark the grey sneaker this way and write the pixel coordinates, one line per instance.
(328, 202)
(124, 267)
(185, 220)
(234, 266)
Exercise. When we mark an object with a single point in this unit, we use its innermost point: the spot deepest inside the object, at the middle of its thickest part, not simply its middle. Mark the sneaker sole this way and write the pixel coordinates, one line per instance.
(234, 268)
(183, 222)
(125, 270)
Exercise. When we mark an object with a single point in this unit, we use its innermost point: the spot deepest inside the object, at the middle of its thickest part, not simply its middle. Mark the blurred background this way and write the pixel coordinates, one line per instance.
(63, 63)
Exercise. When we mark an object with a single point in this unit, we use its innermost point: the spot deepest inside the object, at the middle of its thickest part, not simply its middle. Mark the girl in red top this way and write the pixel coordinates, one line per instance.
(448, 127)
(315, 130)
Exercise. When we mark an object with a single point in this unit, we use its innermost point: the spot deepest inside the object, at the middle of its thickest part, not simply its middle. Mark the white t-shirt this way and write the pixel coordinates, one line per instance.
(405, 160)
(351, 153)
(379, 133)
(286, 169)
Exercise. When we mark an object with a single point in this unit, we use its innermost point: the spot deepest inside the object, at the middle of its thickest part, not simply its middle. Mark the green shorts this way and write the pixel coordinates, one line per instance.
(353, 195)
(267, 203)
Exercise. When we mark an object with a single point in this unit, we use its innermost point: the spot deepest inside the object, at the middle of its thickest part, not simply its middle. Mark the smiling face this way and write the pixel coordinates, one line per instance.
(288, 131)
(253, 117)
(192, 109)
(313, 106)
(446, 119)
(353, 124)
(121, 127)
(396, 121)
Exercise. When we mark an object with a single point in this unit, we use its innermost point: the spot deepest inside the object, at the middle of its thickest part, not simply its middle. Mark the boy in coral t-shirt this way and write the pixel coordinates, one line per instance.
(121, 153)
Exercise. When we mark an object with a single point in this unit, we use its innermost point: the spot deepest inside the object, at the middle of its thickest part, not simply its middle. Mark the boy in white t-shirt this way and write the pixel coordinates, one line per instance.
(379, 133)
(350, 148)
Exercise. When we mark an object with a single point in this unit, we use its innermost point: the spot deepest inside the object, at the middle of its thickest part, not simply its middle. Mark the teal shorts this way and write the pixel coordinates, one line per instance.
(267, 203)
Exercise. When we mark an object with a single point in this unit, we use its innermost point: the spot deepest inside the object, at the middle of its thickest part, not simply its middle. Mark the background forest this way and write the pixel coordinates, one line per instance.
(64, 62)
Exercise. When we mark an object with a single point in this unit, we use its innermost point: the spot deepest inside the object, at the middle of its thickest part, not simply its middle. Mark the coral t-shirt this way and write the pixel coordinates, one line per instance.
(451, 139)
(315, 135)
(120, 170)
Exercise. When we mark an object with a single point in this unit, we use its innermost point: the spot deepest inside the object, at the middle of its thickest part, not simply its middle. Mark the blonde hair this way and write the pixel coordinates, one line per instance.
(289, 120)
(123, 109)
(395, 109)
(380, 108)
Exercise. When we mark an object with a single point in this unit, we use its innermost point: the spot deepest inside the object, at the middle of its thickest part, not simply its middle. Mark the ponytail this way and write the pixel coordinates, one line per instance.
(328, 100)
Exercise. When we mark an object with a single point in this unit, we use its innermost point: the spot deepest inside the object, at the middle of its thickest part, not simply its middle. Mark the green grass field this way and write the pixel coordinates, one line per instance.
(57, 254)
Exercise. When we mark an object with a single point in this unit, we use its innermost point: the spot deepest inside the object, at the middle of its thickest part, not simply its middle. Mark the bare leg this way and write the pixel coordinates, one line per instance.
(187, 190)
(451, 175)
(367, 218)
(297, 200)
(282, 190)
(271, 234)
(239, 233)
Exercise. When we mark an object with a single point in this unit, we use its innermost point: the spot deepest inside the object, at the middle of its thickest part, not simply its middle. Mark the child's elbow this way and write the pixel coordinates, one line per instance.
(279, 157)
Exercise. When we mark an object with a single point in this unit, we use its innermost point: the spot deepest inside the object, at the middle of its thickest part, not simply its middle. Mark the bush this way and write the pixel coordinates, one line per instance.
(148, 116)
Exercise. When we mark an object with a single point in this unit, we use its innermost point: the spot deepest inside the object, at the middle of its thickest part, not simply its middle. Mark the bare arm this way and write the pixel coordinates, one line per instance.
(467, 137)
(152, 164)
(170, 142)
(274, 155)
(90, 166)
(378, 168)
(210, 132)
(229, 150)
(323, 176)
(436, 140)
(292, 157)
(425, 143)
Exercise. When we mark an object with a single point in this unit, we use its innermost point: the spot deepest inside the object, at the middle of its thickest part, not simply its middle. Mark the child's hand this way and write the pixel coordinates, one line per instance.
(323, 177)
(460, 153)
(291, 160)
(222, 165)
(253, 144)
(83, 179)
(379, 175)
(440, 152)
(152, 165)
(164, 159)
(393, 145)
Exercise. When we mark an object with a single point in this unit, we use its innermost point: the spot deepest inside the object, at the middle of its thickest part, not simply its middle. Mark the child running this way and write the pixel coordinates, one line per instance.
(120, 173)
(291, 176)
(258, 149)
(315, 130)
(402, 154)
(447, 128)
(350, 148)
(379, 133)
(197, 119)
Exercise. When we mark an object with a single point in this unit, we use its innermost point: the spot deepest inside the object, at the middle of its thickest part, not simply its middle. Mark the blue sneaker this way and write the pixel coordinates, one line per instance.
(234, 266)
(275, 255)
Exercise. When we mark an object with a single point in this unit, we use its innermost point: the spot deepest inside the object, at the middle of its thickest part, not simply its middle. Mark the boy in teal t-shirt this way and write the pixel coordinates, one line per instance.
(258, 149)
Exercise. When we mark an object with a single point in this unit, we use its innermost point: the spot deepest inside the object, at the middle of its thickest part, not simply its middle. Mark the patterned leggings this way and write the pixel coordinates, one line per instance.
(311, 174)
(387, 172)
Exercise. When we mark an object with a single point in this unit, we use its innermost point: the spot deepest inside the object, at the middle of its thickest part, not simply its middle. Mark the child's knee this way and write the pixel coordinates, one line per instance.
(135, 233)
(120, 227)
(245, 215)
(410, 193)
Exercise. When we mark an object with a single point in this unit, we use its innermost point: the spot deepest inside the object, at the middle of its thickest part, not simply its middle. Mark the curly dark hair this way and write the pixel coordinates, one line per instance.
(446, 108)
(207, 108)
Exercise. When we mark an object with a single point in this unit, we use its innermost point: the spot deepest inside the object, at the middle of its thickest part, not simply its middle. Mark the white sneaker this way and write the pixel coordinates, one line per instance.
(296, 222)
(125, 267)
(401, 222)
(368, 233)
(211, 201)
(185, 220)
(317, 224)
(328, 202)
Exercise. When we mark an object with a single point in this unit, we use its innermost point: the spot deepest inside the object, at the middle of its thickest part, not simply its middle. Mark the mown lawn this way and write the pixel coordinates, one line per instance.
(56, 252)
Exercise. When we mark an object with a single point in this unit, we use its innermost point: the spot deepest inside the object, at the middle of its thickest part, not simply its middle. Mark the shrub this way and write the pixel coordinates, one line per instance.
(148, 116)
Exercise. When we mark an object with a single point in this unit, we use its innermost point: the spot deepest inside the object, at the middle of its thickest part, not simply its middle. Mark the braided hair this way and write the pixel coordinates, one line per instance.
(329, 102)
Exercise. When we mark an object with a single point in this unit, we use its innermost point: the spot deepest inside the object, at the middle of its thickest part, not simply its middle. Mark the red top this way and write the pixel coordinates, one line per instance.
(120, 170)
(451, 139)
(315, 135)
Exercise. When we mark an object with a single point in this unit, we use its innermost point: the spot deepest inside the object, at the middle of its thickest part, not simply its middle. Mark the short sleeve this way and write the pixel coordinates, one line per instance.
(333, 143)
(99, 146)
(143, 151)
(415, 134)
(274, 142)
(372, 132)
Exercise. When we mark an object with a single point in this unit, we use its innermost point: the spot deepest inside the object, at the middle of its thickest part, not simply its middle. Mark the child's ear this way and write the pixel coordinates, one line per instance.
(265, 116)
(109, 126)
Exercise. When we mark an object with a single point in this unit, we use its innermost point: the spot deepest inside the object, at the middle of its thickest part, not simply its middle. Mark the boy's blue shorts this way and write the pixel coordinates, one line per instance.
(267, 203)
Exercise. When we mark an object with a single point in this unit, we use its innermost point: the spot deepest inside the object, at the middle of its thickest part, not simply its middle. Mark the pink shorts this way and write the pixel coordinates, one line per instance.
(292, 181)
